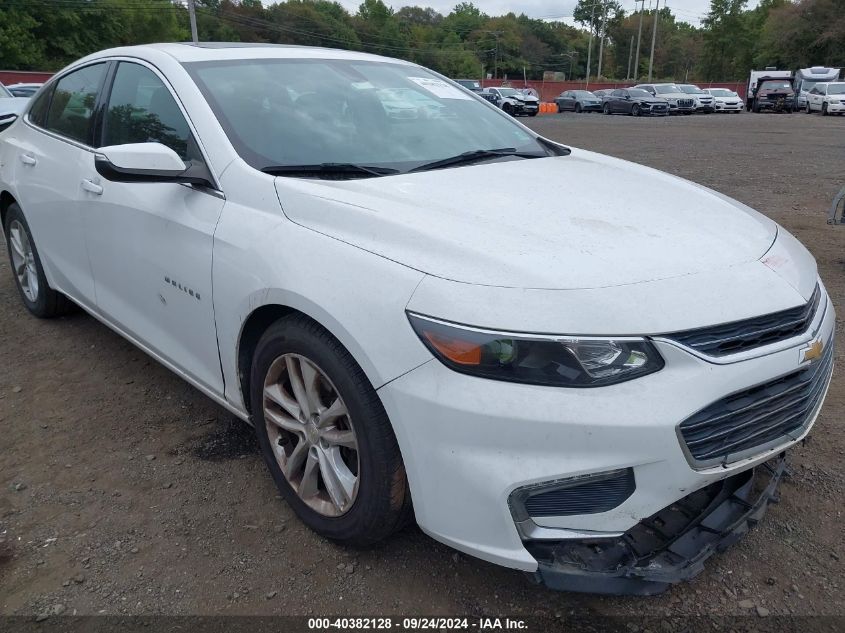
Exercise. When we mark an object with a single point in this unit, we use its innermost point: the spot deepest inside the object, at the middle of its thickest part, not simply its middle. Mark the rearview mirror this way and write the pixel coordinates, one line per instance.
(145, 162)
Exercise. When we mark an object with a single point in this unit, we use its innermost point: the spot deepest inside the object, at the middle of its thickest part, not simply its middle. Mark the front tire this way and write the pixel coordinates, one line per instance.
(824, 109)
(38, 297)
(325, 435)
(606, 109)
(635, 110)
(578, 108)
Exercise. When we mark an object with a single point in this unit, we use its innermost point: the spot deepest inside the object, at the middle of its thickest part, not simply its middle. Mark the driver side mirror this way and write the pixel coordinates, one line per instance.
(146, 162)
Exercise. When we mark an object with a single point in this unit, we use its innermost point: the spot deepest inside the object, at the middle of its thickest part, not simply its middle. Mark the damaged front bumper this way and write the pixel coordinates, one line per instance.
(668, 547)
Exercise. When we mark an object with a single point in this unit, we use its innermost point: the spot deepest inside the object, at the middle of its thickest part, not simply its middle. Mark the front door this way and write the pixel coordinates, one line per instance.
(151, 243)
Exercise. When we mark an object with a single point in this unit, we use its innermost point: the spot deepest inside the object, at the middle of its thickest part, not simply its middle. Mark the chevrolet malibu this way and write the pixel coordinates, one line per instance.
(600, 401)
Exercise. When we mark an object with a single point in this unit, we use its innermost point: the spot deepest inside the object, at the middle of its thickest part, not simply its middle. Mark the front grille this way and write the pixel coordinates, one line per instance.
(685, 103)
(738, 336)
(766, 414)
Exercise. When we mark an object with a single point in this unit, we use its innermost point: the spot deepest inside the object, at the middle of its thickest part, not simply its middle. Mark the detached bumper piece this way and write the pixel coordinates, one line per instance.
(668, 547)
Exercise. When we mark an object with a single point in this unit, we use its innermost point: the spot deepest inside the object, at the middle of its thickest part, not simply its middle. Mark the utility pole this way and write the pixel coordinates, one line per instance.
(192, 13)
(639, 36)
(653, 38)
(496, 34)
(601, 43)
(590, 45)
(630, 57)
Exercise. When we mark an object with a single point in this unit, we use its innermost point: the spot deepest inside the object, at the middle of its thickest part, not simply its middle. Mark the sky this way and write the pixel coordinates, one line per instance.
(686, 10)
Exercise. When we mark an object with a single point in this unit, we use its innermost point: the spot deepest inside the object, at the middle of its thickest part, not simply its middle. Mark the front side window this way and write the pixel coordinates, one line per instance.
(142, 110)
(38, 111)
(301, 112)
(72, 105)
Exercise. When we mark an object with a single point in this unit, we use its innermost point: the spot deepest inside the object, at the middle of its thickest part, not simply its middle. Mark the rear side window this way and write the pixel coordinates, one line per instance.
(142, 110)
(72, 106)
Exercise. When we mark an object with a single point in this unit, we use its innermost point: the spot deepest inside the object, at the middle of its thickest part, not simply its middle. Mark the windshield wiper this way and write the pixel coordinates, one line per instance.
(476, 155)
(329, 170)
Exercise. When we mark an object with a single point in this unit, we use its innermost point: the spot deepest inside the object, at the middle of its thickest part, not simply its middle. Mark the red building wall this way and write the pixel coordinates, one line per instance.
(9, 77)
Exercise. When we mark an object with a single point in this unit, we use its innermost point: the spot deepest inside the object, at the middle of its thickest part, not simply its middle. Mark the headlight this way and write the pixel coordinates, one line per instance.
(537, 359)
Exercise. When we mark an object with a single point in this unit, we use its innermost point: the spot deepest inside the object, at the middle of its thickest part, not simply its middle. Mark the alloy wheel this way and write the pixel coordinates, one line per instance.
(311, 434)
(23, 260)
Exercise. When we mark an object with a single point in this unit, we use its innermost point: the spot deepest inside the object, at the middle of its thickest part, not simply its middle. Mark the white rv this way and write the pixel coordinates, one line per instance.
(807, 78)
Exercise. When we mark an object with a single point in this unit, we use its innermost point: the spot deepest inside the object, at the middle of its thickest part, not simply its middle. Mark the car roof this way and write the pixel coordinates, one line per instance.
(230, 51)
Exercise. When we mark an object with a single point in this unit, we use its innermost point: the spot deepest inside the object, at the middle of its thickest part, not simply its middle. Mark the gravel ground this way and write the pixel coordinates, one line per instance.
(125, 491)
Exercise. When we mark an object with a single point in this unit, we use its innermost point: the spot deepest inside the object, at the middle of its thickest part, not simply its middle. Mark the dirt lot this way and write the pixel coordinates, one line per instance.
(125, 491)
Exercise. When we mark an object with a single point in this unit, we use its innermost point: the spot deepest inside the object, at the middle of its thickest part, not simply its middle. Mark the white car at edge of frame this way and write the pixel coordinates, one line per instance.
(535, 379)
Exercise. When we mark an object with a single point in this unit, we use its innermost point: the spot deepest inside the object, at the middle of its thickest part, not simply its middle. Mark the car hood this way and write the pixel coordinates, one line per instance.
(578, 221)
(13, 105)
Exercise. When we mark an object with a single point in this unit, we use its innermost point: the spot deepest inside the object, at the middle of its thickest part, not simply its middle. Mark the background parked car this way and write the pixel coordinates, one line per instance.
(725, 100)
(827, 98)
(10, 107)
(470, 84)
(578, 101)
(24, 90)
(679, 101)
(636, 102)
(703, 100)
(776, 95)
(513, 101)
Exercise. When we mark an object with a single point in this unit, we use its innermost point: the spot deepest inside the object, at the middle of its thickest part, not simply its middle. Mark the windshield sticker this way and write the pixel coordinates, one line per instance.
(440, 88)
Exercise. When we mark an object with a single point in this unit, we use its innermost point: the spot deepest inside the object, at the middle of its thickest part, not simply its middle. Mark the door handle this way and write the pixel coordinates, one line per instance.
(28, 159)
(92, 187)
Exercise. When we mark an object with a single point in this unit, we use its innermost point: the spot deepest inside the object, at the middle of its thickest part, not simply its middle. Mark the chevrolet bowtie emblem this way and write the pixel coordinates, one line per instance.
(812, 352)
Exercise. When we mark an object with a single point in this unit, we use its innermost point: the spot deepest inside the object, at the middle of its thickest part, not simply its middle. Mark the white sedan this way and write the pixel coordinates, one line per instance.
(827, 98)
(725, 100)
(427, 315)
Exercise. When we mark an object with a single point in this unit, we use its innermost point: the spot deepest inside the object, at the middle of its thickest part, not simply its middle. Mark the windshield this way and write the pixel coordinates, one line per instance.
(583, 94)
(293, 112)
(776, 85)
(692, 90)
(468, 83)
(4, 92)
(721, 92)
(508, 92)
(667, 89)
(836, 89)
(809, 84)
(639, 93)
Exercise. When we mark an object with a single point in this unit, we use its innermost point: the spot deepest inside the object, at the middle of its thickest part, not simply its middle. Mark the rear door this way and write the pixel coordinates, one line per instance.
(617, 101)
(49, 149)
(151, 243)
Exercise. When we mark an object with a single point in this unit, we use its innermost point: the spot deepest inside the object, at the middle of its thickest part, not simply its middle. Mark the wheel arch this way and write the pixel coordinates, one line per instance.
(6, 200)
(262, 317)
